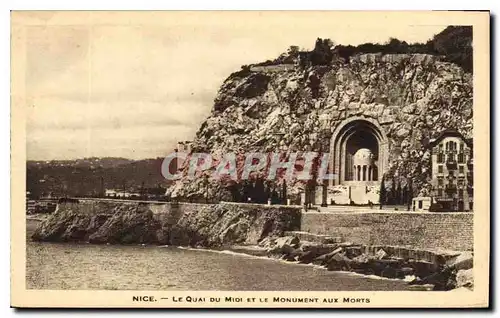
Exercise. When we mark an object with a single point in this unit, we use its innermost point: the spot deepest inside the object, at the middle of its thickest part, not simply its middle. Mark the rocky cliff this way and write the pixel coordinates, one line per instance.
(297, 106)
(211, 225)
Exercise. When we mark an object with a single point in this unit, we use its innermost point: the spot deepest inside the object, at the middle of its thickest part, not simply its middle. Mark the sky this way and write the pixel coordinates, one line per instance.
(133, 85)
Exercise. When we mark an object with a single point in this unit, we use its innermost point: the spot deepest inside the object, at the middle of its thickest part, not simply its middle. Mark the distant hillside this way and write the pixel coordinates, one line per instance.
(88, 176)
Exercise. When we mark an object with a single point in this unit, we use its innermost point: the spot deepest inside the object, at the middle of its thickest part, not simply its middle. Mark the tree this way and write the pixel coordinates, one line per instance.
(383, 193)
(410, 195)
(404, 199)
(246, 191)
(322, 52)
(392, 197)
(399, 194)
(275, 198)
(293, 50)
(259, 194)
(267, 191)
(283, 192)
(455, 42)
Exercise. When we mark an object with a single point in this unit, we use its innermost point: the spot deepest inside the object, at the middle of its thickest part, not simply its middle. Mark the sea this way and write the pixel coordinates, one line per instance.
(69, 266)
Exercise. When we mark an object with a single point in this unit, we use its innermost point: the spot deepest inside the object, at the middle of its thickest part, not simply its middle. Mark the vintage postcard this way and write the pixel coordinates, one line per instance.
(271, 159)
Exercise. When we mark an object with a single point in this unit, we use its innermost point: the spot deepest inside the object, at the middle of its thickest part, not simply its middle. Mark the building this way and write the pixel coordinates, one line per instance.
(184, 146)
(359, 155)
(111, 193)
(452, 171)
(421, 204)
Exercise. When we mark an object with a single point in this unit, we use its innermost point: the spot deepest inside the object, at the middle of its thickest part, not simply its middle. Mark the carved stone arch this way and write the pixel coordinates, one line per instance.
(339, 152)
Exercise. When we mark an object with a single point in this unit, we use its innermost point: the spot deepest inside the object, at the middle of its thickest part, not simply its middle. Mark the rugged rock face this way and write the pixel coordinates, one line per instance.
(135, 223)
(99, 222)
(289, 107)
(225, 224)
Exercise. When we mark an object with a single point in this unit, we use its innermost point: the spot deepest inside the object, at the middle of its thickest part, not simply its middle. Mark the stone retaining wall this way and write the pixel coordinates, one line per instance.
(451, 231)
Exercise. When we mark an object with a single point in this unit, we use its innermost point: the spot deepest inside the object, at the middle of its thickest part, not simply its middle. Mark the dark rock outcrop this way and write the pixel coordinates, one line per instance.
(210, 225)
(384, 262)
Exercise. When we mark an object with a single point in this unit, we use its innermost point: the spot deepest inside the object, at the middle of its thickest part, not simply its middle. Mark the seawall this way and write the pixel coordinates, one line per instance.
(183, 224)
(425, 230)
(209, 225)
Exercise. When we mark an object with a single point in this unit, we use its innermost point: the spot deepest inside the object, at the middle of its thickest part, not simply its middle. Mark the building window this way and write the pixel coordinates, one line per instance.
(440, 181)
(440, 192)
(440, 158)
(419, 204)
(460, 169)
(440, 169)
(460, 182)
(461, 157)
(460, 192)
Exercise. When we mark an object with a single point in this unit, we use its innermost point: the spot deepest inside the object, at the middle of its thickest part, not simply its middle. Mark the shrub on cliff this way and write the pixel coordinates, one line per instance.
(455, 42)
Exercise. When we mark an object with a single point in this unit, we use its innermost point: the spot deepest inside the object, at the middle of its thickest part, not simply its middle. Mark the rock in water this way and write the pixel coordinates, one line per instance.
(465, 278)
(463, 261)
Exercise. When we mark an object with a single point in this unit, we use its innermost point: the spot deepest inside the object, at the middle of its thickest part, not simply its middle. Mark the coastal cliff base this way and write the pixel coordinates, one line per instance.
(207, 225)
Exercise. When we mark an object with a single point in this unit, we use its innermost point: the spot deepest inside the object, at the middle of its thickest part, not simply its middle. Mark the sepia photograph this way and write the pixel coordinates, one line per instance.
(250, 159)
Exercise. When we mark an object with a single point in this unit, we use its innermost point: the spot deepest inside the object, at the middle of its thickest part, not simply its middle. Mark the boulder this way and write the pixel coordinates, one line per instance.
(292, 241)
(318, 248)
(339, 262)
(353, 251)
(323, 259)
(362, 264)
(422, 268)
(282, 249)
(461, 262)
(306, 257)
(267, 242)
(465, 278)
(291, 255)
(380, 254)
(441, 280)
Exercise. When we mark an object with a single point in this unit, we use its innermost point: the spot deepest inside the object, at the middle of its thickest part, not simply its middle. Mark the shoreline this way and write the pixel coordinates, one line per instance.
(263, 237)
(237, 250)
